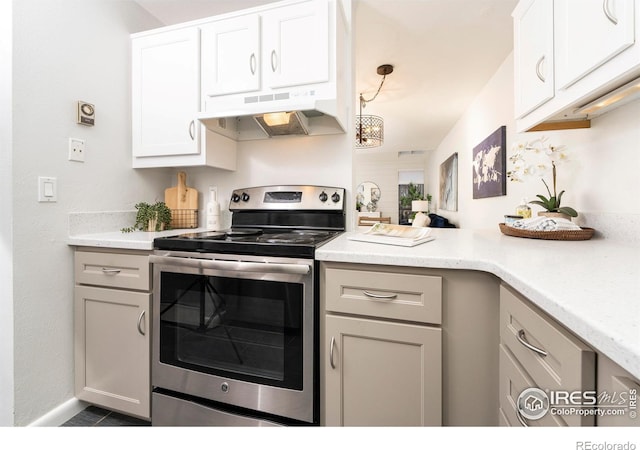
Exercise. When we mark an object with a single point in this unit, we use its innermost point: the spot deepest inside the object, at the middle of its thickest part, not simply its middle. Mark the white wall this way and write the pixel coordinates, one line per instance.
(601, 180)
(64, 51)
(6, 207)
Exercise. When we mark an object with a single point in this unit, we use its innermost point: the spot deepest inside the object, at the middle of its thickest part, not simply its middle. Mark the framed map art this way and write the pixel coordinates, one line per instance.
(489, 165)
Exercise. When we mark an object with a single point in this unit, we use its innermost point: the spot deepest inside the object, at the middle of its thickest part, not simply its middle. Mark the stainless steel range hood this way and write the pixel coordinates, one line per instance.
(266, 116)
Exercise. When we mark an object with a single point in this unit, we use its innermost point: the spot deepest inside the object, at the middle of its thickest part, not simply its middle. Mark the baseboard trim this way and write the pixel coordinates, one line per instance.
(60, 414)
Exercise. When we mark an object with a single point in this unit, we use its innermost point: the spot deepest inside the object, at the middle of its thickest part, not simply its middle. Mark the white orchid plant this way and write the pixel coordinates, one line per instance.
(536, 159)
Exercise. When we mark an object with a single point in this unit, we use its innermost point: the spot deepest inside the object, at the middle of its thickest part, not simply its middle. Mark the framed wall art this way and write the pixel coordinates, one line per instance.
(489, 165)
(449, 184)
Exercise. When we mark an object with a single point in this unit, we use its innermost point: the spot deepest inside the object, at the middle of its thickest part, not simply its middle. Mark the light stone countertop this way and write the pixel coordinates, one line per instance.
(135, 240)
(591, 287)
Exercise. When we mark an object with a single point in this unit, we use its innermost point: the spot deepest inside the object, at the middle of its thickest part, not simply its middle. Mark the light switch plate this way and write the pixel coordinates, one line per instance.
(47, 189)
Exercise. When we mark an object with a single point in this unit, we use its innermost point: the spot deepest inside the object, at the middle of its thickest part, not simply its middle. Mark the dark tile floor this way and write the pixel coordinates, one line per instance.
(92, 416)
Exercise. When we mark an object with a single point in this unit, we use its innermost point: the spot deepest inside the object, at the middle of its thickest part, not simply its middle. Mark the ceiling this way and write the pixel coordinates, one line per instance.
(443, 53)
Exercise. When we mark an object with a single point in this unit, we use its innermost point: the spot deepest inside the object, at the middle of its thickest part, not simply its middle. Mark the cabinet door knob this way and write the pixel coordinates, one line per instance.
(331, 345)
(192, 125)
(533, 348)
(140, 330)
(539, 73)
(252, 63)
(608, 13)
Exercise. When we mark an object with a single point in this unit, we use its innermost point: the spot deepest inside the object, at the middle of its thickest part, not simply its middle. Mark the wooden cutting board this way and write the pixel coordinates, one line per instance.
(183, 203)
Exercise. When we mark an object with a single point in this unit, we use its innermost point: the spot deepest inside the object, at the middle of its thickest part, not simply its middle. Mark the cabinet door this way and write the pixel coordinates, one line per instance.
(589, 33)
(166, 93)
(231, 56)
(533, 53)
(382, 373)
(296, 44)
(112, 352)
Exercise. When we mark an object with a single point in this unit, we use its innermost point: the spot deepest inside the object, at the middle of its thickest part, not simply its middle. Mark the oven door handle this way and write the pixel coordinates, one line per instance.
(234, 266)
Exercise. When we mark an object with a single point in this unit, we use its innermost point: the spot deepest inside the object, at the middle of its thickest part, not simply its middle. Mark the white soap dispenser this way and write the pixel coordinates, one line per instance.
(213, 210)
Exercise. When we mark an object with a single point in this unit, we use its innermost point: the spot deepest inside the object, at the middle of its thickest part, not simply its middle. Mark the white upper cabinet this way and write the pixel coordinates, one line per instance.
(296, 44)
(593, 32)
(592, 49)
(166, 93)
(280, 47)
(231, 56)
(533, 53)
(165, 99)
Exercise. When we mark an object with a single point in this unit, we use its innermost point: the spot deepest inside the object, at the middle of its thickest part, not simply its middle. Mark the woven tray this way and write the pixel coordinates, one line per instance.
(563, 235)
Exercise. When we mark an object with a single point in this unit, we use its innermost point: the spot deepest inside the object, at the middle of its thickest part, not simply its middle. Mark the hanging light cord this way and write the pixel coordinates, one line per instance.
(363, 101)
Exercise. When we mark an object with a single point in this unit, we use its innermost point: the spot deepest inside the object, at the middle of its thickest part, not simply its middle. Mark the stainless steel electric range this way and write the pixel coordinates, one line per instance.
(235, 312)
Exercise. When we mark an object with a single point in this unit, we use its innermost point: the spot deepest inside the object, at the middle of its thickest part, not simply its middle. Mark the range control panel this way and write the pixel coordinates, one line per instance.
(288, 197)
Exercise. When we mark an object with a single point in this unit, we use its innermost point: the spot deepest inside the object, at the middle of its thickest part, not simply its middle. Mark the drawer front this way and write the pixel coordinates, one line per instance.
(115, 270)
(568, 365)
(514, 380)
(416, 298)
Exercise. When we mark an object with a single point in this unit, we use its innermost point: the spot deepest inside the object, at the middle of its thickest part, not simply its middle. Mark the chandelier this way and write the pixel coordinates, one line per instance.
(369, 128)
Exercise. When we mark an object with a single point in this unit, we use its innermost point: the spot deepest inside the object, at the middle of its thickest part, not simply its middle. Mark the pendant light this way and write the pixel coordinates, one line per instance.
(370, 129)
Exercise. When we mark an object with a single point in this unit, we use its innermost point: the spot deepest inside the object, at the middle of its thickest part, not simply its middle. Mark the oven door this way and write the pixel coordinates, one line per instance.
(236, 332)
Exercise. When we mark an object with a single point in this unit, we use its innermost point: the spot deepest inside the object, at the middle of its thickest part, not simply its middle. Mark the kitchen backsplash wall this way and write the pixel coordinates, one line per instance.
(315, 160)
(600, 178)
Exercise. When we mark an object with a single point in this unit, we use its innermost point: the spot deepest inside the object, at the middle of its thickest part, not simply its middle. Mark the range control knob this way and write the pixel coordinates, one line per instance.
(235, 198)
(323, 197)
(335, 197)
(245, 197)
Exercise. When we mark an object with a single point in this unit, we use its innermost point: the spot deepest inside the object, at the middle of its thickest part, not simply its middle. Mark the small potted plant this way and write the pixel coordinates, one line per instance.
(151, 217)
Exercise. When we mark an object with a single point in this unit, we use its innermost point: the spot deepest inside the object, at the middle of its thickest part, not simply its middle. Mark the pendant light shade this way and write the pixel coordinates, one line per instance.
(370, 129)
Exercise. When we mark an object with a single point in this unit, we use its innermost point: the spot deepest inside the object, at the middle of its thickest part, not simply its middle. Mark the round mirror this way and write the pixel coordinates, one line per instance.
(367, 196)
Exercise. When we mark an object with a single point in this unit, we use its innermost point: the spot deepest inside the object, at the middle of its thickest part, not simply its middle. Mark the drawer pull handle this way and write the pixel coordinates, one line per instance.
(524, 342)
(521, 419)
(140, 330)
(380, 296)
(110, 271)
(331, 345)
(607, 12)
(274, 61)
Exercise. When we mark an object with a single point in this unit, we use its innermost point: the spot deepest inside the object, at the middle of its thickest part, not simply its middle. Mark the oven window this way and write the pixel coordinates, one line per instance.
(248, 330)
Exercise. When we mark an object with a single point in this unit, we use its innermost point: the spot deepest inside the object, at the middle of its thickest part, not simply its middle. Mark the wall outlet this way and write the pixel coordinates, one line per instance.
(76, 150)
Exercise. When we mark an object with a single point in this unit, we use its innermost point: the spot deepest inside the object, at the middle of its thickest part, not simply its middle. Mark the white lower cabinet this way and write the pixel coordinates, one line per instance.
(383, 373)
(112, 331)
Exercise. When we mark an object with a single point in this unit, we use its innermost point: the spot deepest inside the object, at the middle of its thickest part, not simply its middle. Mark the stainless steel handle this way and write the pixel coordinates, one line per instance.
(521, 419)
(380, 296)
(608, 13)
(274, 60)
(234, 266)
(252, 63)
(110, 271)
(331, 345)
(538, 69)
(192, 129)
(524, 342)
(140, 330)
